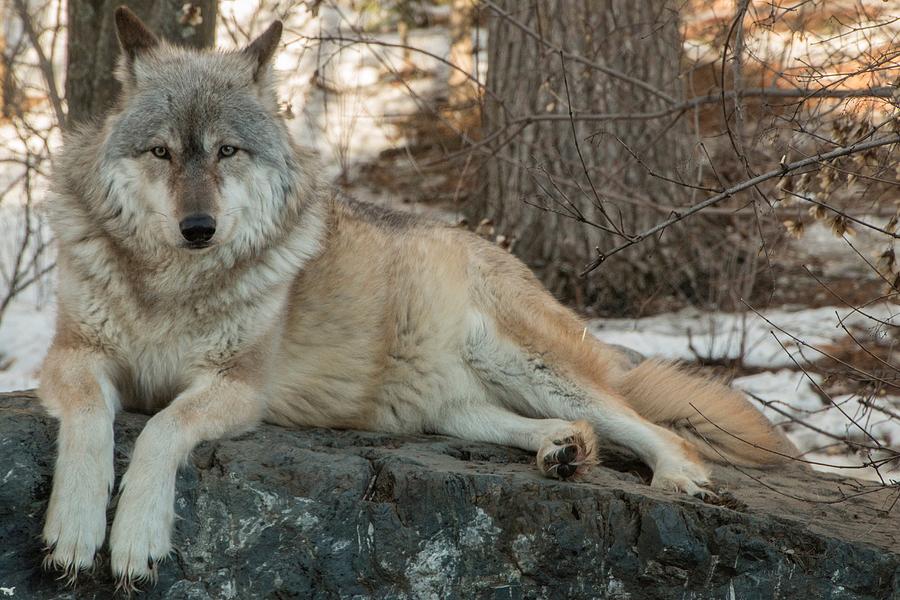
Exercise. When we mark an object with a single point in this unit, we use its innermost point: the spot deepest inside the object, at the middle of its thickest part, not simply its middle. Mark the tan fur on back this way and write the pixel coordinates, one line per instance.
(381, 305)
(385, 305)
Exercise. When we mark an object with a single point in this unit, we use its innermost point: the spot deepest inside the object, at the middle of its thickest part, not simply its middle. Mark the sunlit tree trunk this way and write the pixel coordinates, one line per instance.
(585, 167)
(461, 88)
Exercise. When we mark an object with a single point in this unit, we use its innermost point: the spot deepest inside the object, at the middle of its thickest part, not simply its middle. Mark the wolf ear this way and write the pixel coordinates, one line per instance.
(262, 48)
(133, 35)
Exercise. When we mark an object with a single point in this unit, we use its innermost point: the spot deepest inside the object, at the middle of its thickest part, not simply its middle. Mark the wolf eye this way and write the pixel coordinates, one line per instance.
(226, 151)
(161, 152)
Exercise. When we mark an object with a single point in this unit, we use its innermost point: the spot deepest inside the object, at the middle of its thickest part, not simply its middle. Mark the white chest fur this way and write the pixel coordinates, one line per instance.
(162, 346)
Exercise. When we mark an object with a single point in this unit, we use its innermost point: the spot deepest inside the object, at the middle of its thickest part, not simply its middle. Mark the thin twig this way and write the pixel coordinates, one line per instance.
(46, 67)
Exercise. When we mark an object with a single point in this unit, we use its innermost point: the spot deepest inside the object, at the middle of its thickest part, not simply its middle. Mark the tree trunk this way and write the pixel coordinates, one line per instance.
(461, 48)
(538, 171)
(11, 38)
(93, 50)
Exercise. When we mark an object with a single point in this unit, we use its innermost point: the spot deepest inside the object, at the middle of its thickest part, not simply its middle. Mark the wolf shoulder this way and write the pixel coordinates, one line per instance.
(351, 212)
(382, 217)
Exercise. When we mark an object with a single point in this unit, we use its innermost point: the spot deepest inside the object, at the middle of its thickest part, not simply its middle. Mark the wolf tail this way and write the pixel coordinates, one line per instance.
(719, 421)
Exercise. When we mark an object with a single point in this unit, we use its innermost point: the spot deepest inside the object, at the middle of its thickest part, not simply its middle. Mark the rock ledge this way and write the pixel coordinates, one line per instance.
(345, 514)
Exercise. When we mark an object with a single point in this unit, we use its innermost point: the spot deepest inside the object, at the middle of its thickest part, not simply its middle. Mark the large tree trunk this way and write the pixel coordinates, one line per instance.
(541, 165)
(93, 50)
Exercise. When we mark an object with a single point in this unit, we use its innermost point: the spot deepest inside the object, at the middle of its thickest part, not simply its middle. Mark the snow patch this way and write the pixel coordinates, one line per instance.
(790, 394)
(689, 333)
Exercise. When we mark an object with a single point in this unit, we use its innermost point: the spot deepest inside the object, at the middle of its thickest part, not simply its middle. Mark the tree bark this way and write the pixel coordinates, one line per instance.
(93, 50)
(11, 35)
(461, 49)
(585, 167)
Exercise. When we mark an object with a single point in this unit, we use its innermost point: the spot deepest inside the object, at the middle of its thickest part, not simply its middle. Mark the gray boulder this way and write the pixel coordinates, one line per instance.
(316, 513)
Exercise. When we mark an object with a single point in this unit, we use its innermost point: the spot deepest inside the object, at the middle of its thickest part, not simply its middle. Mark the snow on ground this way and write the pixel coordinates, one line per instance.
(689, 334)
(26, 327)
(794, 395)
(345, 90)
(25, 335)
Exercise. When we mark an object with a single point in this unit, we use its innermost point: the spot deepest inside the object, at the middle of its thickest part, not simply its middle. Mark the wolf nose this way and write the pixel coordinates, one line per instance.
(198, 229)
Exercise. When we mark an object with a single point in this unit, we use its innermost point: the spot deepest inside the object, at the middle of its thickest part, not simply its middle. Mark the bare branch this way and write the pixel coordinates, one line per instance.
(46, 67)
(735, 189)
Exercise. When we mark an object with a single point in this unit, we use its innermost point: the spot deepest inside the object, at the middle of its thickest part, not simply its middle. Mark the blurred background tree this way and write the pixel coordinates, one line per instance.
(93, 50)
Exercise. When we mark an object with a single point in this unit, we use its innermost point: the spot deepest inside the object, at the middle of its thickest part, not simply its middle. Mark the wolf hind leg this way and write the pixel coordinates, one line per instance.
(563, 449)
(540, 385)
(676, 464)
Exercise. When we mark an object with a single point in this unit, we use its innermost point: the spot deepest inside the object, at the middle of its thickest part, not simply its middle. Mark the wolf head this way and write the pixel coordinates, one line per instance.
(195, 155)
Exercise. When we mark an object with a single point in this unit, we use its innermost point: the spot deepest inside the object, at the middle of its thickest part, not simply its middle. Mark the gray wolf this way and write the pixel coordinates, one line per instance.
(208, 276)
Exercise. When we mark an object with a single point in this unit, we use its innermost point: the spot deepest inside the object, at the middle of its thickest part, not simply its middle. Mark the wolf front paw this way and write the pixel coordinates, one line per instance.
(136, 548)
(75, 525)
(73, 533)
(141, 533)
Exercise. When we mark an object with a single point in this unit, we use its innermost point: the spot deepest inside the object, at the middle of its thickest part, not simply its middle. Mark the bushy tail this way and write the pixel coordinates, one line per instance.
(739, 434)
